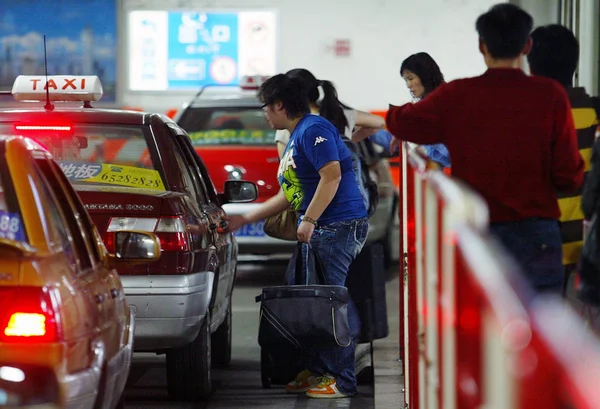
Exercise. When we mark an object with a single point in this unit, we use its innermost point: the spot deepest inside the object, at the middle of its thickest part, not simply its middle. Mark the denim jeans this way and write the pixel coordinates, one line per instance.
(536, 246)
(337, 245)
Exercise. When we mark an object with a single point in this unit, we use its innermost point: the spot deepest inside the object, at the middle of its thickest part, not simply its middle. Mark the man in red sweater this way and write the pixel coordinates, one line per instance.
(511, 137)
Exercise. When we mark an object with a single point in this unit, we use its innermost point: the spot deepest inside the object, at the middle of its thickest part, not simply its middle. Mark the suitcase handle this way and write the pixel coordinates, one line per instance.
(302, 266)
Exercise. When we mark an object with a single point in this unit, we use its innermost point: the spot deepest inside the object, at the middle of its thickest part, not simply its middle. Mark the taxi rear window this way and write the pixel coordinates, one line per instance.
(227, 126)
(11, 224)
(102, 154)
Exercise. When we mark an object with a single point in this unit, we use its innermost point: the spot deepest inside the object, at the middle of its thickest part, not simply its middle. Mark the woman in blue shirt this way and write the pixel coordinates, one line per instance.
(318, 181)
(422, 76)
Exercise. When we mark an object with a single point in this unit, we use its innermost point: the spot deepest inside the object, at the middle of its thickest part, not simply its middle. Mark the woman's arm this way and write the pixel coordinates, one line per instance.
(367, 120)
(280, 148)
(271, 207)
(282, 137)
(367, 124)
(331, 175)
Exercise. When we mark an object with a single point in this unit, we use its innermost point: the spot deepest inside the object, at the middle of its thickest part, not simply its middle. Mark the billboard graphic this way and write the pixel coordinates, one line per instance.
(81, 39)
(186, 50)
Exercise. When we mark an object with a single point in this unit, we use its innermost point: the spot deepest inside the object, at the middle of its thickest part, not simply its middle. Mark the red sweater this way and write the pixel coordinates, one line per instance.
(510, 136)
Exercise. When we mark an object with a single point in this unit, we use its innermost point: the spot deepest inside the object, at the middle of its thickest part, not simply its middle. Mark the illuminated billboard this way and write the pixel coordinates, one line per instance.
(182, 50)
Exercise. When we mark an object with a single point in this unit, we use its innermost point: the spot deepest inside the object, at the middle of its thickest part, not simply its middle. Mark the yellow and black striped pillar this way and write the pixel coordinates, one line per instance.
(586, 121)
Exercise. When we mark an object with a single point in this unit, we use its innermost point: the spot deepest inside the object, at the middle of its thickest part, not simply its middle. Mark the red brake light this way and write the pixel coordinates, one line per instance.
(172, 234)
(27, 314)
(42, 128)
(26, 324)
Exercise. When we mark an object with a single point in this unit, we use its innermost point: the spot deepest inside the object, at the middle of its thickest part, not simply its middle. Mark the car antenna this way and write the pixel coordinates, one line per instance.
(48, 105)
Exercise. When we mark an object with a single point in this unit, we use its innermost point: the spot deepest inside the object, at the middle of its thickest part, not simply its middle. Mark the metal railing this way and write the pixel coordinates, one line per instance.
(472, 334)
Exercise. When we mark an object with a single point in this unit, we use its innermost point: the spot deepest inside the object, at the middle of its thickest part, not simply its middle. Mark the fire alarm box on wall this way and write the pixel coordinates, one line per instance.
(341, 48)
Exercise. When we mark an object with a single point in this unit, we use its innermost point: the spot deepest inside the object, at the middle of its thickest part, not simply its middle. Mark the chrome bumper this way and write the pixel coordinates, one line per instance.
(81, 388)
(168, 309)
(117, 368)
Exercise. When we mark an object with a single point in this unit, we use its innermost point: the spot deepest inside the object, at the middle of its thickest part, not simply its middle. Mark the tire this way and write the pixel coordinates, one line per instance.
(189, 368)
(221, 341)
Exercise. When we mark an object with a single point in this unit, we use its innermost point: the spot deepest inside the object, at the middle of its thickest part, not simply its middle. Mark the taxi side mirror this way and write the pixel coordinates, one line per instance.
(136, 246)
(238, 191)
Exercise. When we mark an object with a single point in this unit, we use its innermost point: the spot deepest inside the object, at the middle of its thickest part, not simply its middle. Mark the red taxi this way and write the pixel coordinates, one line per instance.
(229, 130)
(138, 171)
(63, 315)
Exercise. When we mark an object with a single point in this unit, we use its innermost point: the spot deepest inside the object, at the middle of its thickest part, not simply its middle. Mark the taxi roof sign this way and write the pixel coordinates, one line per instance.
(76, 88)
(252, 81)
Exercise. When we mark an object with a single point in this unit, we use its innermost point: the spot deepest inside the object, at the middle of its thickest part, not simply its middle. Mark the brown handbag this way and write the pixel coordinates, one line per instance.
(283, 225)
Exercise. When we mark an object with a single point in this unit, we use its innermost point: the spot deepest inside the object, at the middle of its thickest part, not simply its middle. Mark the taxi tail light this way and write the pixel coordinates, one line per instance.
(172, 234)
(170, 231)
(28, 314)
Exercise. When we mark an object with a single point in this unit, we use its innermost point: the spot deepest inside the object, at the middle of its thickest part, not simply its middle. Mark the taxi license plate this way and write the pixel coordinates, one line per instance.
(251, 230)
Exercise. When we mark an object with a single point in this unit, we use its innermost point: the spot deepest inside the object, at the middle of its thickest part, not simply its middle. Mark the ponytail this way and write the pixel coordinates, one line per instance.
(331, 108)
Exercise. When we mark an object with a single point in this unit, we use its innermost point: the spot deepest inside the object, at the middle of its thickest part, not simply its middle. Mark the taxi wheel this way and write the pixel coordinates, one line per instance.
(188, 368)
(221, 341)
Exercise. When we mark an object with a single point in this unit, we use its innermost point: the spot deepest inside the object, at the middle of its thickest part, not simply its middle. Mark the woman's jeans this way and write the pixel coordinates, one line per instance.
(337, 245)
(537, 247)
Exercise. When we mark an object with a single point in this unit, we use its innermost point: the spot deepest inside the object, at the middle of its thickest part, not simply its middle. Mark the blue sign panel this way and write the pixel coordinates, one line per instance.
(203, 49)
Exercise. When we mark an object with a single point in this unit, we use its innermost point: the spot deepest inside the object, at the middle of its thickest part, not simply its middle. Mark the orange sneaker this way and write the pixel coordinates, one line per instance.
(326, 389)
(303, 382)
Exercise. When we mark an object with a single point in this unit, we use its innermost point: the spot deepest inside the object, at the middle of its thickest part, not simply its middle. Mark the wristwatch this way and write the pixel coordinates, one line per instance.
(309, 220)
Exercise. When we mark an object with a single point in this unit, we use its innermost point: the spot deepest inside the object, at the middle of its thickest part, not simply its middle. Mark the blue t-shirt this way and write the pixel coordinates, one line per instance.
(315, 142)
(438, 153)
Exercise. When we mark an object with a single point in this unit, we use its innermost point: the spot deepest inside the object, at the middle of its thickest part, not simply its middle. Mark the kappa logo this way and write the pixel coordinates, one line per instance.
(319, 140)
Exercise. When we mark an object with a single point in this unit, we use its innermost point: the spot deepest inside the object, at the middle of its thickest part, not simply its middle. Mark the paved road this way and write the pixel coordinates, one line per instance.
(239, 385)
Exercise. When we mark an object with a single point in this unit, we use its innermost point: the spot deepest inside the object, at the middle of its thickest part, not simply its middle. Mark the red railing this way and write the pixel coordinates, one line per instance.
(471, 335)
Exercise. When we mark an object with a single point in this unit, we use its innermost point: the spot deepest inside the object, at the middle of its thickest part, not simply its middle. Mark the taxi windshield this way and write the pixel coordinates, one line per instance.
(227, 126)
(101, 154)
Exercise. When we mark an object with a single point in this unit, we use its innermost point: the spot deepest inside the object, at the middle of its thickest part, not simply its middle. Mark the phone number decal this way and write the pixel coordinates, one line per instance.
(119, 175)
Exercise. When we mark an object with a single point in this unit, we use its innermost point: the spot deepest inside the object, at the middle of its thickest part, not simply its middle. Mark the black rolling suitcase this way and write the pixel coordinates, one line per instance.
(279, 366)
(366, 285)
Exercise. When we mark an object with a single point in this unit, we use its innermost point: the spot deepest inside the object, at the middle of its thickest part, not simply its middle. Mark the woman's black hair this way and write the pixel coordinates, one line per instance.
(424, 67)
(286, 90)
(330, 107)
